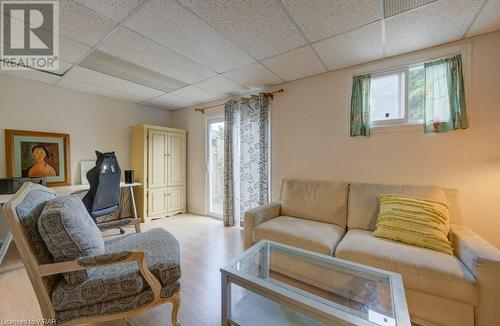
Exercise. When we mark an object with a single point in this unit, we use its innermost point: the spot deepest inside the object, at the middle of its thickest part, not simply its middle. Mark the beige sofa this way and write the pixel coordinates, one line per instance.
(338, 218)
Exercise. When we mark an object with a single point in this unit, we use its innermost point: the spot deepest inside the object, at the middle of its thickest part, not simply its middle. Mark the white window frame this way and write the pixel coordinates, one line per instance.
(405, 62)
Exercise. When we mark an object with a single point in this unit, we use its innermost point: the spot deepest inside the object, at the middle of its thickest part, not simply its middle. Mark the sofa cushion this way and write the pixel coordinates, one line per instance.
(69, 232)
(306, 234)
(322, 201)
(422, 269)
(364, 205)
(121, 281)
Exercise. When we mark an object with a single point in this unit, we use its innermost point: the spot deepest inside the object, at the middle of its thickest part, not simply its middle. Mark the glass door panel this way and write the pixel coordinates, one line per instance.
(215, 166)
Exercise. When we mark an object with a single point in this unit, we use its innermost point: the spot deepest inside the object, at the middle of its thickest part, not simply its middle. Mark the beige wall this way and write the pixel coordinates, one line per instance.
(93, 122)
(310, 140)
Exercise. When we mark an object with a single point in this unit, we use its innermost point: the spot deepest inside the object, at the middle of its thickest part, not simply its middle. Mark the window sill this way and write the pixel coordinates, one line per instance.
(397, 128)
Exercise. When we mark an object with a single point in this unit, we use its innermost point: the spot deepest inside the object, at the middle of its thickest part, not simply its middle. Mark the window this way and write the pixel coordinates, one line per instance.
(397, 97)
(431, 85)
(387, 100)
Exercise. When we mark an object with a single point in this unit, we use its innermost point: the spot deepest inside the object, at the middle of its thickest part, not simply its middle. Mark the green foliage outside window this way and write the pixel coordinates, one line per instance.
(416, 94)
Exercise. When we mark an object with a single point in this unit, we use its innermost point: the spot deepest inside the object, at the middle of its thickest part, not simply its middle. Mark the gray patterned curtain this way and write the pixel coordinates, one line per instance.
(246, 156)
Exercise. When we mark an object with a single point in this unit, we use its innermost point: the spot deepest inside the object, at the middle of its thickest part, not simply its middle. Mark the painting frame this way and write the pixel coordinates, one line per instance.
(13, 158)
(85, 166)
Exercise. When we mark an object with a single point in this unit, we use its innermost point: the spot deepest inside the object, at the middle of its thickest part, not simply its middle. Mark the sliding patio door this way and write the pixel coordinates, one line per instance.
(215, 166)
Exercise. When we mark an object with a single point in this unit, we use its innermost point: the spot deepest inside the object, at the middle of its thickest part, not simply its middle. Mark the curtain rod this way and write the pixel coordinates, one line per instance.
(269, 94)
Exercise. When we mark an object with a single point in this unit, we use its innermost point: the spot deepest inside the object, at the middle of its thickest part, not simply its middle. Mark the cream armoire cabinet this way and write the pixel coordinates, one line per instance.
(159, 163)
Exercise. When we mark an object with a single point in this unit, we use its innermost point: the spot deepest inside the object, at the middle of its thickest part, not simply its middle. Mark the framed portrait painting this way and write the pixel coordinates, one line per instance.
(34, 154)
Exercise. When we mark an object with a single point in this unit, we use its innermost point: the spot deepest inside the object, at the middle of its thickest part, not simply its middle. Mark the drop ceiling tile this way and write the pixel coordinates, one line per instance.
(169, 101)
(262, 27)
(194, 93)
(82, 24)
(130, 46)
(35, 75)
(439, 22)
(253, 76)
(63, 67)
(488, 19)
(295, 64)
(220, 85)
(117, 84)
(323, 18)
(72, 51)
(96, 90)
(116, 10)
(358, 46)
(172, 25)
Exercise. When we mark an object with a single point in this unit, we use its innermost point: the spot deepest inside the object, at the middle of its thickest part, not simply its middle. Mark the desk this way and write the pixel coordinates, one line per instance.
(64, 191)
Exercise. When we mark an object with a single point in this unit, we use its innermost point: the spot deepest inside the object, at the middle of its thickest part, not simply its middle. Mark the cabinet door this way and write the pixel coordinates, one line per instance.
(175, 199)
(157, 201)
(176, 159)
(157, 159)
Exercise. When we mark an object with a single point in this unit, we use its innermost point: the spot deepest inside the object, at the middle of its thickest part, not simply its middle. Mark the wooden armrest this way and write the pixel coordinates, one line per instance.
(138, 256)
(79, 265)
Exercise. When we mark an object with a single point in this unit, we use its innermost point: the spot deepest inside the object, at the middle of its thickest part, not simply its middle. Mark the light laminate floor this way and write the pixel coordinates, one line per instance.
(206, 245)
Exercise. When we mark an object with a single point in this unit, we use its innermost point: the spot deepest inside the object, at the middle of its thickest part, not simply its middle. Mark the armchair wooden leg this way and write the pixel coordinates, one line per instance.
(176, 302)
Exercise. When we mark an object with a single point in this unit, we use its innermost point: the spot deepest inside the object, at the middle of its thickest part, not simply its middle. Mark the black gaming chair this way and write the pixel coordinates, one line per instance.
(103, 198)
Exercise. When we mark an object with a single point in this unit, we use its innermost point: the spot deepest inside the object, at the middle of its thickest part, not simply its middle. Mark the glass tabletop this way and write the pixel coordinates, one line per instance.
(353, 288)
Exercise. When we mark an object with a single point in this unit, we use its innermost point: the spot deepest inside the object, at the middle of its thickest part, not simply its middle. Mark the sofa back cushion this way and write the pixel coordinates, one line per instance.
(455, 205)
(322, 201)
(364, 203)
(69, 233)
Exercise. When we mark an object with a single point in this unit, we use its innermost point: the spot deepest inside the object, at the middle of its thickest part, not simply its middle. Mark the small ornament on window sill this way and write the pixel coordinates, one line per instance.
(436, 124)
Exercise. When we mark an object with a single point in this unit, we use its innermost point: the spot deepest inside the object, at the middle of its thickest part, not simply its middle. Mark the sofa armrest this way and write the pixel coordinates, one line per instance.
(256, 216)
(483, 261)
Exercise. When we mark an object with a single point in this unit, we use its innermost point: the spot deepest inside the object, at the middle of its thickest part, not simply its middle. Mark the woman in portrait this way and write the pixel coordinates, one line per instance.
(41, 168)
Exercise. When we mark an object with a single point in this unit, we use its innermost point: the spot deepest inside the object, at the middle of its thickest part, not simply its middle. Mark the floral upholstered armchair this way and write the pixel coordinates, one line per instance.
(77, 276)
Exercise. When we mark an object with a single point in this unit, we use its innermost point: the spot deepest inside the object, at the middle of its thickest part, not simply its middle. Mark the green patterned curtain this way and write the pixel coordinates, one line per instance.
(445, 107)
(360, 106)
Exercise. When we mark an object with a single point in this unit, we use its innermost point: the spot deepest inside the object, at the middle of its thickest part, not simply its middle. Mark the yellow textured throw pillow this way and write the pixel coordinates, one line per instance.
(415, 221)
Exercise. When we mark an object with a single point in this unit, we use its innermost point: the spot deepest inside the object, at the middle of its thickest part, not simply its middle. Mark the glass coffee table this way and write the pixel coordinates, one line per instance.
(275, 284)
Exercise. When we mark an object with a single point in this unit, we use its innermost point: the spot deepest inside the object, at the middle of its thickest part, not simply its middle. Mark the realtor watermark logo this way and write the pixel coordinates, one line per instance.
(30, 35)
